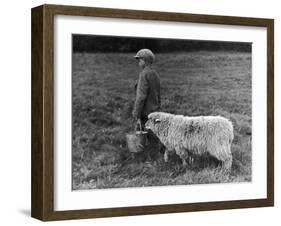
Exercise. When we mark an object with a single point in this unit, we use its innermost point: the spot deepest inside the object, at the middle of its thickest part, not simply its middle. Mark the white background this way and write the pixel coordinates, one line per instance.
(65, 199)
(15, 112)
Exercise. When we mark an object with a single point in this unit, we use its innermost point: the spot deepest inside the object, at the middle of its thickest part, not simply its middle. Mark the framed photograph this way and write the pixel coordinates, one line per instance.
(142, 112)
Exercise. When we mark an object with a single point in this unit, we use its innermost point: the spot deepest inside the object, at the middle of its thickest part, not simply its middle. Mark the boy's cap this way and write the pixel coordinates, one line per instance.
(145, 54)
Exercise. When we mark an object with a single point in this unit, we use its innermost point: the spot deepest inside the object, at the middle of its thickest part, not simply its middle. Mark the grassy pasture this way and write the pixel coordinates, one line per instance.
(194, 83)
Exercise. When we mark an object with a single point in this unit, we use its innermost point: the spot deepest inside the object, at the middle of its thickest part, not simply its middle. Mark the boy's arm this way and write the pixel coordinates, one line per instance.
(141, 96)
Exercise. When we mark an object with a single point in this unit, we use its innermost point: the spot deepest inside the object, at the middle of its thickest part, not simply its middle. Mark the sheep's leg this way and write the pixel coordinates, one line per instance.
(190, 160)
(166, 155)
(182, 153)
(227, 163)
(223, 153)
(184, 163)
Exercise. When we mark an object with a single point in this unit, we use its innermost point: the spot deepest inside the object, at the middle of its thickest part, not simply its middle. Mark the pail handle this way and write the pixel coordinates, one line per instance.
(139, 121)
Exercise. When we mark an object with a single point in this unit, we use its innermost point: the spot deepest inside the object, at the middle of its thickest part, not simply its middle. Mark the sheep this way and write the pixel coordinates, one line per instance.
(193, 135)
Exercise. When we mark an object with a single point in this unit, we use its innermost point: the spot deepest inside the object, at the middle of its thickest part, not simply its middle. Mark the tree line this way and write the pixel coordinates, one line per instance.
(95, 43)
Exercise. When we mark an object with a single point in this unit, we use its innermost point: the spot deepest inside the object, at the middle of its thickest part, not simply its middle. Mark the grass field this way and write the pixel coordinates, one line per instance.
(194, 83)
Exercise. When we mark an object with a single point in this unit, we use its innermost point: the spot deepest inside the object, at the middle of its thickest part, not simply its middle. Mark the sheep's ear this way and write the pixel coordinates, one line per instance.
(157, 120)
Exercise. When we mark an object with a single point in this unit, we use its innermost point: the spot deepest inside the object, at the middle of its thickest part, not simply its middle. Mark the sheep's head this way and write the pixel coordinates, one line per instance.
(156, 122)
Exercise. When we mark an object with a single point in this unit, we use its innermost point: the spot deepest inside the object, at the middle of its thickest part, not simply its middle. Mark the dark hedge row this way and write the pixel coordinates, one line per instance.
(91, 43)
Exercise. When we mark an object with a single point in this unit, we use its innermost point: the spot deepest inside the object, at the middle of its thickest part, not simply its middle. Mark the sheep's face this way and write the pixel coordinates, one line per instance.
(155, 122)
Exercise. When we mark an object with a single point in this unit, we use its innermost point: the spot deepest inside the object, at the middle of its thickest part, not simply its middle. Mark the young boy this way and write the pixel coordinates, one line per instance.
(147, 88)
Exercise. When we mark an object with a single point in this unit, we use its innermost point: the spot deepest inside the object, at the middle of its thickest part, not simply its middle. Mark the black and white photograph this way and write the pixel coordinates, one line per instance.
(160, 112)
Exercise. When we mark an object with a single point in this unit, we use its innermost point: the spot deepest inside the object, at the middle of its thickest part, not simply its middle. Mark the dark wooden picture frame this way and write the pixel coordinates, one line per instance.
(42, 203)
